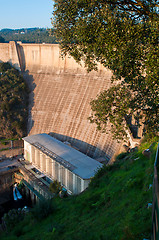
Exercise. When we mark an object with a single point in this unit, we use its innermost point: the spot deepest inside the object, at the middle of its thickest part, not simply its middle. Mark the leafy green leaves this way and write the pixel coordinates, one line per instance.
(123, 36)
(111, 107)
(13, 102)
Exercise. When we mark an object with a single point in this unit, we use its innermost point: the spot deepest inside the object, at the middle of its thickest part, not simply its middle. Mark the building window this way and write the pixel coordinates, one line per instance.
(62, 176)
(78, 185)
(56, 171)
(86, 183)
(70, 181)
(28, 156)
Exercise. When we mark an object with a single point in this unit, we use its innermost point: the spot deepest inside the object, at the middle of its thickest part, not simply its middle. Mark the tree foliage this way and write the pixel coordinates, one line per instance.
(13, 102)
(12, 218)
(42, 209)
(123, 36)
(55, 187)
(2, 39)
(28, 35)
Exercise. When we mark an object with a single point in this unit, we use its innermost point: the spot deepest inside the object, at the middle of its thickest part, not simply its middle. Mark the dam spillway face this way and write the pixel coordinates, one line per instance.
(61, 91)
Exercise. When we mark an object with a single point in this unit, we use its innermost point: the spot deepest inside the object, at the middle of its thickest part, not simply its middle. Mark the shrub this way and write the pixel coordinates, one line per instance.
(55, 187)
(121, 156)
(42, 209)
(13, 102)
(11, 218)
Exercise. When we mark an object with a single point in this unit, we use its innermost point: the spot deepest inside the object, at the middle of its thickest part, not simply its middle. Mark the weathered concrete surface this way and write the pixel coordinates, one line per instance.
(11, 152)
(60, 98)
(6, 179)
(9, 53)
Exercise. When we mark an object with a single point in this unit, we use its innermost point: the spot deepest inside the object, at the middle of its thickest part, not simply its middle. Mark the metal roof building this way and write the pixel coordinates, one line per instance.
(61, 162)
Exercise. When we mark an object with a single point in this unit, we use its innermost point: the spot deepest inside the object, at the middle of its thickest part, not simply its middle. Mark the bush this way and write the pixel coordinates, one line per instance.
(11, 218)
(121, 156)
(13, 102)
(42, 209)
(55, 187)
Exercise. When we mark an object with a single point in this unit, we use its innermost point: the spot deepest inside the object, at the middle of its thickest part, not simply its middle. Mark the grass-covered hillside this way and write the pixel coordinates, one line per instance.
(13, 102)
(114, 207)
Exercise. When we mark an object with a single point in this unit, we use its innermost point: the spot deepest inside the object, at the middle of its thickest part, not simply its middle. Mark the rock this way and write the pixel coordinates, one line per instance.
(63, 193)
(149, 205)
(147, 153)
(134, 149)
(150, 186)
(126, 148)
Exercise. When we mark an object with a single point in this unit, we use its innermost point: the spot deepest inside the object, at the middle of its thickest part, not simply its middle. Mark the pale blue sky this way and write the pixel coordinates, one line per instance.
(16, 14)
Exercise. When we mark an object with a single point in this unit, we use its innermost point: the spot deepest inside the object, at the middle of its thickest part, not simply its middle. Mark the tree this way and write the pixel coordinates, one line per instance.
(13, 102)
(123, 36)
(2, 39)
(30, 35)
(55, 187)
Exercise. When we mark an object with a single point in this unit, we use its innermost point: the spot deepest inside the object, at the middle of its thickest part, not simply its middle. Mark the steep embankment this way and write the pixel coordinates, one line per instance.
(114, 207)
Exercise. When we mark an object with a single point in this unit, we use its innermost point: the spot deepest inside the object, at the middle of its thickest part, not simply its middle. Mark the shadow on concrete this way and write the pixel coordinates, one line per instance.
(31, 86)
(84, 147)
(21, 57)
(30, 83)
(15, 65)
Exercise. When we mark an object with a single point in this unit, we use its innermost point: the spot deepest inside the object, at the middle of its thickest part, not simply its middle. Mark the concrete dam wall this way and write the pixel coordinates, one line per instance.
(61, 91)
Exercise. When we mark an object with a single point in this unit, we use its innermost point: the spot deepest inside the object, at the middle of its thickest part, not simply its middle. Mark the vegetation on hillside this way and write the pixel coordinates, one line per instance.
(13, 102)
(123, 36)
(28, 35)
(115, 206)
(2, 39)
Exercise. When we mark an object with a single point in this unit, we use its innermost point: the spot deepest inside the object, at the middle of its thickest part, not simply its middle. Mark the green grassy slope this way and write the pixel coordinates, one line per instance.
(114, 207)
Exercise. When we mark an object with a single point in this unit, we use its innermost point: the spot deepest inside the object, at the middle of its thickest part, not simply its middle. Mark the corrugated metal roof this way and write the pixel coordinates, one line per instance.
(84, 166)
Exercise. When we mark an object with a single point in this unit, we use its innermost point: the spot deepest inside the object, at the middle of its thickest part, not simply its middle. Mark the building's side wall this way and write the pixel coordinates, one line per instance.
(9, 53)
(27, 151)
(6, 183)
(4, 52)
